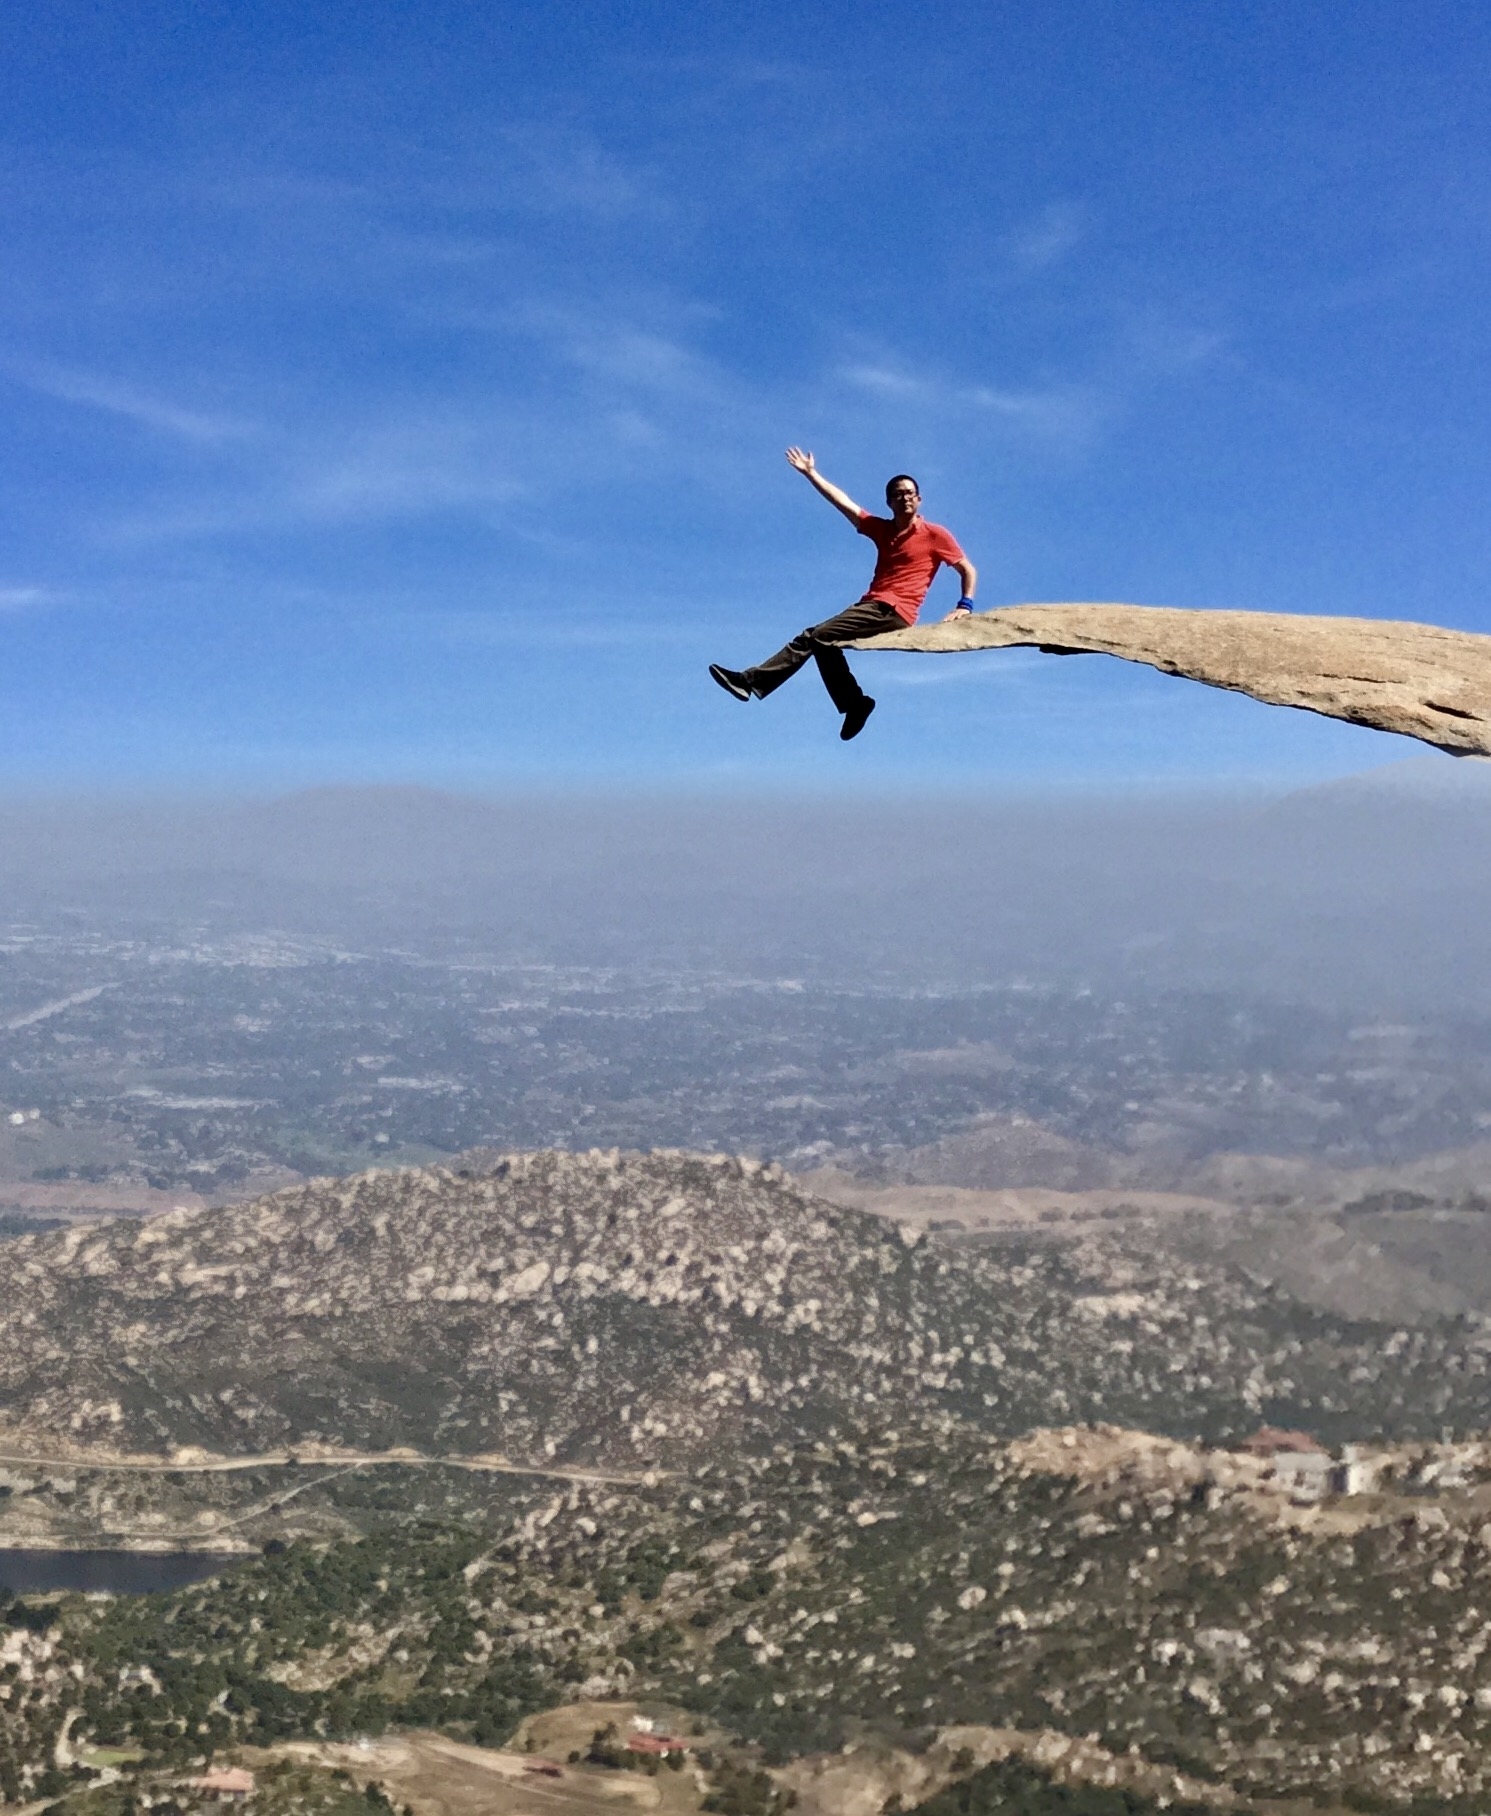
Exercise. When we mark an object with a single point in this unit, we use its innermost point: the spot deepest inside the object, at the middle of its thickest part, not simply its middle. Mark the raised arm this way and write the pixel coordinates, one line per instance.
(841, 501)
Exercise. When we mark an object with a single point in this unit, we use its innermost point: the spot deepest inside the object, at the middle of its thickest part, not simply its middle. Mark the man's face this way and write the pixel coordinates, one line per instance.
(904, 501)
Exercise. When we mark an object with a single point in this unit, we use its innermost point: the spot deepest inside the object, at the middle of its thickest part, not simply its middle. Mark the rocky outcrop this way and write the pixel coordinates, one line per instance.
(1415, 679)
(625, 1311)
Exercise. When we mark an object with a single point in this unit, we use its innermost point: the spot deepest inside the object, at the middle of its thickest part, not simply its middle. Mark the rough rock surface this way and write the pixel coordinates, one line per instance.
(625, 1310)
(1416, 679)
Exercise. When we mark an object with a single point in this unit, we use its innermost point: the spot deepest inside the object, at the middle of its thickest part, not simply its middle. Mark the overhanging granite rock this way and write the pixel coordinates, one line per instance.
(1416, 679)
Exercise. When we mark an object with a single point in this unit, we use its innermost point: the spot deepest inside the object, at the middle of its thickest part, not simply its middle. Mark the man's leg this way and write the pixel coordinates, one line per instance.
(865, 618)
(766, 677)
(868, 618)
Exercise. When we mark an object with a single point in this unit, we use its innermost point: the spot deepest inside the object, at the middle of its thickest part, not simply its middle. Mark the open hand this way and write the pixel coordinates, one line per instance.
(800, 459)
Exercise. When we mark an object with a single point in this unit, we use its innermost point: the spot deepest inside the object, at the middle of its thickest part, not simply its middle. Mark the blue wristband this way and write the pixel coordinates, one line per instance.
(965, 604)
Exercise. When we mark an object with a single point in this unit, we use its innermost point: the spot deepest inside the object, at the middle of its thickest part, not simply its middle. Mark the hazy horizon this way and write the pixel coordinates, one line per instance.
(1366, 890)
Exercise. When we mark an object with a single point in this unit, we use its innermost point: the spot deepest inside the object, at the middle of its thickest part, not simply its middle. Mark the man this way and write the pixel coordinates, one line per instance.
(908, 552)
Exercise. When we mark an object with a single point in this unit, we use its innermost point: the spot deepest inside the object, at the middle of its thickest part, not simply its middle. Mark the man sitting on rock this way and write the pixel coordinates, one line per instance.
(909, 551)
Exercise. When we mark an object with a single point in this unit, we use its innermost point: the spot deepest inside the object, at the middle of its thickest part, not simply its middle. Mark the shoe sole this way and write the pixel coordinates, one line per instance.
(736, 693)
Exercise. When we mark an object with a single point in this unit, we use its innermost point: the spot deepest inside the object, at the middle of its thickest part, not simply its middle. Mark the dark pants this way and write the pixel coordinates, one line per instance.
(865, 618)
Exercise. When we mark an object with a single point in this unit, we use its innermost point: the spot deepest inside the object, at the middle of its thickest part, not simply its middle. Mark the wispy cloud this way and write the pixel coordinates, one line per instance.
(1067, 415)
(884, 381)
(28, 598)
(559, 628)
(548, 171)
(1038, 244)
(117, 397)
(638, 338)
(638, 359)
(348, 470)
(477, 170)
(403, 468)
(1158, 346)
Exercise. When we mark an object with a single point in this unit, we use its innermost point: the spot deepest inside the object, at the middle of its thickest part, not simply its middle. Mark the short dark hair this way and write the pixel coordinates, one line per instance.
(896, 479)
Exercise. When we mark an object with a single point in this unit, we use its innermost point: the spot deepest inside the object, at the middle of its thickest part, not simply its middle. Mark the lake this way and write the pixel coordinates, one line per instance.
(119, 1572)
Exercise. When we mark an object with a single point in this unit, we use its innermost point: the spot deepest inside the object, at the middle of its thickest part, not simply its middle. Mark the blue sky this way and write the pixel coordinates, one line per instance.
(394, 393)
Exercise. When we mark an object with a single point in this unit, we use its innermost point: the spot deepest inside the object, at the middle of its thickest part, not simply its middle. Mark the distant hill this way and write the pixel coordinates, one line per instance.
(1400, 1243)
(999, 1151)
(654, 1309)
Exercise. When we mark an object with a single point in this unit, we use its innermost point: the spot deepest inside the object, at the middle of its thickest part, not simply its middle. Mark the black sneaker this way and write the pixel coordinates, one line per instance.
(856, 718)
(732, 681)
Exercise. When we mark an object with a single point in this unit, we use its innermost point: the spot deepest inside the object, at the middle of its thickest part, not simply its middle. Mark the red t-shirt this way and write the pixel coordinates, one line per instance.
(906, 560)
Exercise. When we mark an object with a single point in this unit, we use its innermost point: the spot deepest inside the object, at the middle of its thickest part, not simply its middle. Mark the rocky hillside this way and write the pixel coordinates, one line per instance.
(654, 1309)
(1135, 1603)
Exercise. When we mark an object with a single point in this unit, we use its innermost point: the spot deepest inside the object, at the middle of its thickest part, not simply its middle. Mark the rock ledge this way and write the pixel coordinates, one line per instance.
(1418, 680)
